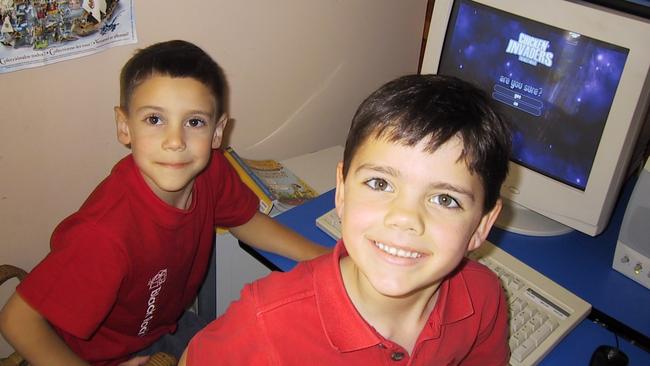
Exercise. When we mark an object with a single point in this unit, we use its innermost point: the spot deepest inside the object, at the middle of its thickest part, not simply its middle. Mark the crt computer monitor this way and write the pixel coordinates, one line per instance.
(572, 78)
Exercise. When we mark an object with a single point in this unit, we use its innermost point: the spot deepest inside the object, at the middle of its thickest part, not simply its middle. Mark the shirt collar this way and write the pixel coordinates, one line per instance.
(454, 301)
(159, 211)
(348, 331)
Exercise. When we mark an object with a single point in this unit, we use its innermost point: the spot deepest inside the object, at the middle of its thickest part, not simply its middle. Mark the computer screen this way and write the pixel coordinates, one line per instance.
(575, 95)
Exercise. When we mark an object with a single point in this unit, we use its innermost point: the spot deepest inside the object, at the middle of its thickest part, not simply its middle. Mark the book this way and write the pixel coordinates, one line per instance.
(266, 201)
(279, 189)
(286, 189)
(249, 173)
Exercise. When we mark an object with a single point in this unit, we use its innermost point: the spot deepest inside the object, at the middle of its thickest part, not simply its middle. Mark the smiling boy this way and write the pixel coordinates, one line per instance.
(125, 267)
(418, 188)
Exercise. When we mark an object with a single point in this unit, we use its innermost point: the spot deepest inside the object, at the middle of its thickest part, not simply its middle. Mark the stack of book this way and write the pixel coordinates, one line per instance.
(276, 186)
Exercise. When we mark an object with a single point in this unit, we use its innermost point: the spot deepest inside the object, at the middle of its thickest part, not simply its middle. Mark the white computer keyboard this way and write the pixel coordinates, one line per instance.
(541, 311)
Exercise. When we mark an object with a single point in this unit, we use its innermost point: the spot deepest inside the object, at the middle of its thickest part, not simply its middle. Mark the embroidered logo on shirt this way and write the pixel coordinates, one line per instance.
(155, 285)
(158, 279)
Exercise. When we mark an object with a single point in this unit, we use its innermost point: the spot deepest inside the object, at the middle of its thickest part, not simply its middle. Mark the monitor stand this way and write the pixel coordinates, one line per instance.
(518, 219)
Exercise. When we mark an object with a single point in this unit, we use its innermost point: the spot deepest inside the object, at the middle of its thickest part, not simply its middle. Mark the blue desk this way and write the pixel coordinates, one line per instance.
(578, 262)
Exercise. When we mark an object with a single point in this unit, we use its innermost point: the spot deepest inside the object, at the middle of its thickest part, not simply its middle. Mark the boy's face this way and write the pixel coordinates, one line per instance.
(409, 216)
(172, 127)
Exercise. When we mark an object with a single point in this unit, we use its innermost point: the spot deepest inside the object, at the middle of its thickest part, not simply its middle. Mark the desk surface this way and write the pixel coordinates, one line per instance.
(580, 263)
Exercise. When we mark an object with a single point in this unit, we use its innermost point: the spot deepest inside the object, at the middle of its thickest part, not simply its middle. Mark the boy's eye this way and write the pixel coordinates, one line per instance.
(379, 184)
(196, 122)
(153, 120)
(445, 200)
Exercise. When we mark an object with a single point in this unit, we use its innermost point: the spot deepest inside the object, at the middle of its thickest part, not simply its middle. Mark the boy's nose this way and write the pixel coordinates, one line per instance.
(405, 216)
(174, 139)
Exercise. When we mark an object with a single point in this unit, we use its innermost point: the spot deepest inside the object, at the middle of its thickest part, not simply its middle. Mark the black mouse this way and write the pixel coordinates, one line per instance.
(608, 356)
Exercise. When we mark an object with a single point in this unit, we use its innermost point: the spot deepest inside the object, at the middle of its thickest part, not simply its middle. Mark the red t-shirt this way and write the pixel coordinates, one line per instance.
(304, 317)
(124, 267)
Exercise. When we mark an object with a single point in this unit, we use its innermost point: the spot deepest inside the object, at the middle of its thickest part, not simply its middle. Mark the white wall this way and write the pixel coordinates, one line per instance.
(297, 70)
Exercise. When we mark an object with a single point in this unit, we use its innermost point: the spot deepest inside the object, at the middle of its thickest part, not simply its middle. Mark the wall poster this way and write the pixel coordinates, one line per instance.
(40, 32)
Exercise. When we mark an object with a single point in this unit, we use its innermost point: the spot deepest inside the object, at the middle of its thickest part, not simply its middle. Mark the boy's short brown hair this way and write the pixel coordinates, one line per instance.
(175, 58)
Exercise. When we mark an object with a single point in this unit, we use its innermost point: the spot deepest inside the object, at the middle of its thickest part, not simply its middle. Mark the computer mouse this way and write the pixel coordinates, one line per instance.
(608, 356)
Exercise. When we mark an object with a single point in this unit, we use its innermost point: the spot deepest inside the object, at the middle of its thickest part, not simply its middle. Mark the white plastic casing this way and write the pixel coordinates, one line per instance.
(632, 255)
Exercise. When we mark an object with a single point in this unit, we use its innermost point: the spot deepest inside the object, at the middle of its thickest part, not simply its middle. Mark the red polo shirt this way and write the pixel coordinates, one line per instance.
(304, 317)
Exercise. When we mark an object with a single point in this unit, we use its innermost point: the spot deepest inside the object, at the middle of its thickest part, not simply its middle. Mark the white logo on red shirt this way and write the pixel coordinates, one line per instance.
(155, 285)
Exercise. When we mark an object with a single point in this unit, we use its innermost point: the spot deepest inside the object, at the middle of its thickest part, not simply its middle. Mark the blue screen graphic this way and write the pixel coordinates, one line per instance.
(556, 86)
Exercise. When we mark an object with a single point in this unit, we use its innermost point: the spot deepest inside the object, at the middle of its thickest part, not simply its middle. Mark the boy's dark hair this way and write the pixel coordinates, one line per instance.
(175, 58)
(435, 107)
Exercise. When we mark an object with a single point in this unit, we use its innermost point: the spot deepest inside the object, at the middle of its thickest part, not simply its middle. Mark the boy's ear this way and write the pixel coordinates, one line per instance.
(218, 132)
(121, 118)
(340, 190)
(484, 227)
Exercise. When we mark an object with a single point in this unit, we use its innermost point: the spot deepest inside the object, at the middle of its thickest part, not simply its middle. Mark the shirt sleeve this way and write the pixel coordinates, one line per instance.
(76, 284)
(236, 203)
(228, 340)
(492, 344)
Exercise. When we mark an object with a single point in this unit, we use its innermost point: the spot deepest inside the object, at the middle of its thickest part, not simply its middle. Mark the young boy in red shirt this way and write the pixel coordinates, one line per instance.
(123, 269)
(418, 188)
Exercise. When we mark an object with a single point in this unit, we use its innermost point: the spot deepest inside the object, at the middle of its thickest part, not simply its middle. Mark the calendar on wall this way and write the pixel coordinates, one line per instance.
(40, 32)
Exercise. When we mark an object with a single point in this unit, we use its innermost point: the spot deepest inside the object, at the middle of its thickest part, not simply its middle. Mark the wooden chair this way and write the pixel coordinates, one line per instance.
(8, 271)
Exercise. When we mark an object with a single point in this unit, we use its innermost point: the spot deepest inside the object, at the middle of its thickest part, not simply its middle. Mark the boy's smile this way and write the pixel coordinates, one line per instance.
(171, 127)
(409, 216)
